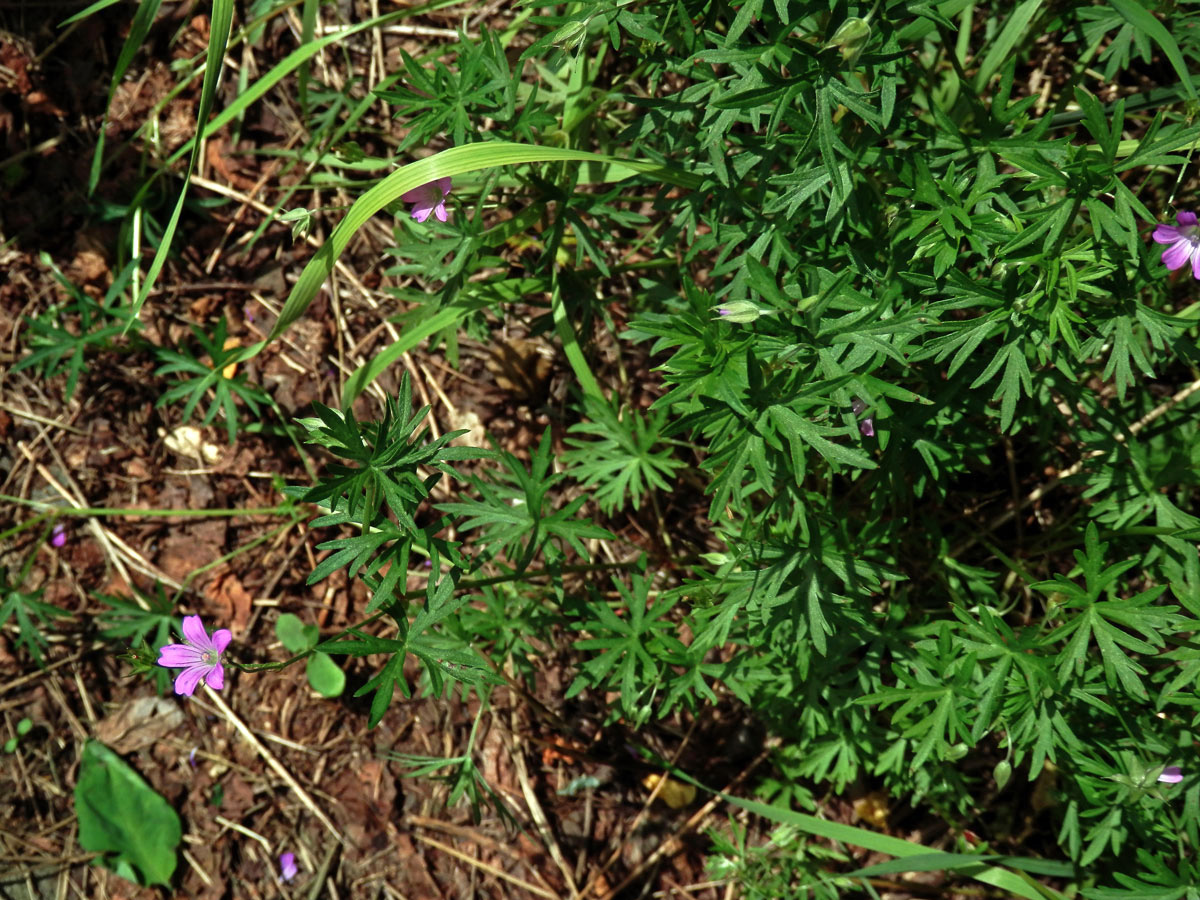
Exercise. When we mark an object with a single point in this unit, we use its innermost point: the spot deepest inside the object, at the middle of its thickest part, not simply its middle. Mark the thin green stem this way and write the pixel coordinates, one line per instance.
(571, 348)
(233, 554)
(87, 512)
(420, 592)
(24, 526)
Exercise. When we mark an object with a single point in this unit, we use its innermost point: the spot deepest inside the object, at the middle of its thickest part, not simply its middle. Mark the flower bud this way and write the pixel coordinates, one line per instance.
(850, 38)
(740, 311)
(571, 35)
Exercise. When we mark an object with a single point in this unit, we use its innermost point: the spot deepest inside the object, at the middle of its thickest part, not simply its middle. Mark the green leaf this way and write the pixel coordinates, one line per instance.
(220, 23)
(138, 29)
(294, 634)
(30, 614)
(123, 818)
(1137, 16)
(448, 163)
(999, 52)
(799, 431)
(325, 676)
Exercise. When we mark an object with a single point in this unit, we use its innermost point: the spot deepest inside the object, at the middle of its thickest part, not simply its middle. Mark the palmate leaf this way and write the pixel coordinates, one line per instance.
(126, 619)
(387, 461)
(934, 693)
(30, 614)
(636, 647)
(626, 459)
(55, 348)
(515, 511)
(1108, 623)
(1015, 378)
(209, 376)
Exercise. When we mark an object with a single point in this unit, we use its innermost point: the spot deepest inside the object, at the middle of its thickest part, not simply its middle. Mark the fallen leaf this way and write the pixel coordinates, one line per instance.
(872, 808)
(231, 369)
(560, 749)
(233, 599)
(139, 724)
(674, 793)
(188, 440)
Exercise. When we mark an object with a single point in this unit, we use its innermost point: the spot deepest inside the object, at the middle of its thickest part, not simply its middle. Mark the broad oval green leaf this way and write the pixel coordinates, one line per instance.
(123, 818)
(326, 678)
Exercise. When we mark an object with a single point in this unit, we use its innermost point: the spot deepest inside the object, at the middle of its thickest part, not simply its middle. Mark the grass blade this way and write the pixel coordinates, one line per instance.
(138, 29)
(1012, 32)
(448, 163)
(1137, 16)
(218, 38)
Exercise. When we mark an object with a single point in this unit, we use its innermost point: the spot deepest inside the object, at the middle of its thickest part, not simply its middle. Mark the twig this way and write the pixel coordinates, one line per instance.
(7, 686)
(490, 869)
(41, 420)
(275, 764)
(641, 816)
(536, 812)
(675, 842)
(107, 541)
(242, 829)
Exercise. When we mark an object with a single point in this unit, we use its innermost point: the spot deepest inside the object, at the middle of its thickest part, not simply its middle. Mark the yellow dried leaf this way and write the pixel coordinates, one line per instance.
(232, 367)
(674, 793)
(872, 809)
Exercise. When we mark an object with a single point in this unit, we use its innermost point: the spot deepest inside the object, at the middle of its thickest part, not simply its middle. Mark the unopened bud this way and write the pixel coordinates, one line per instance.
(740, 311)
(571, 35)
(850, 38)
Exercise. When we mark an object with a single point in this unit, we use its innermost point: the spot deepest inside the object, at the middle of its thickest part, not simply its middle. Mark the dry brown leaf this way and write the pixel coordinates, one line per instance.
(872, 808)
(233, 599)
(230, 370)
(139, 723)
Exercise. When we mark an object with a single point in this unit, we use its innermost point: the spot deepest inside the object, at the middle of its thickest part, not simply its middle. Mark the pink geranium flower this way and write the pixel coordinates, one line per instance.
(429, 198)
(199, 656)
(1183, 242)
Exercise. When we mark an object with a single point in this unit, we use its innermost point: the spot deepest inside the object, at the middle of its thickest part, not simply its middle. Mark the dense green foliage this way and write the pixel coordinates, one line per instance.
(884, 216)
(914, 357)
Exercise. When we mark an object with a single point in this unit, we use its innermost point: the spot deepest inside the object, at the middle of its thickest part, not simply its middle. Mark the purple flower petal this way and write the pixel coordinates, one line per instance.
(220, 639)
(429, 198)
(193, 631)
(287, 866)
(1171, 775)
(58, 535)
(1177, 255)
(188, 680)
(1166, 234)
(216, 677)
(1183, 243)
(179, 656)
(199, 657)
